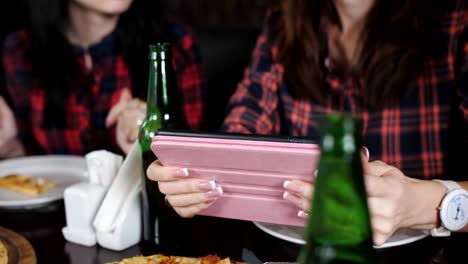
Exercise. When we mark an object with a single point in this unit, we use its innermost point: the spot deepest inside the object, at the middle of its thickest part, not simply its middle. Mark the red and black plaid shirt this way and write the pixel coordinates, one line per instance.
(90, 101)
(419, 136)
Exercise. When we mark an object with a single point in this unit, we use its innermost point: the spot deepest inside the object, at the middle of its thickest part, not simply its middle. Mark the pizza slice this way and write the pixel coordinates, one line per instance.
(162, 259)
(26, 184)
(3, 253)
(155, 259)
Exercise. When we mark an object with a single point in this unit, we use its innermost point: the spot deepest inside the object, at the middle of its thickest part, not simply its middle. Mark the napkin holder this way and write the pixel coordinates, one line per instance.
(118, 220)
(127, 228)
(82, 201)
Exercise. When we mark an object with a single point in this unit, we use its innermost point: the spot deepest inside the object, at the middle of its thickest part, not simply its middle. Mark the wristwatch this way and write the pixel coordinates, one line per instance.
(453, 210)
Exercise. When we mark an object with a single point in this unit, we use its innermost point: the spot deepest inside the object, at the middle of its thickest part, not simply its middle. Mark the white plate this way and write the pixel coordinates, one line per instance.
(294, 234)
(63, 170)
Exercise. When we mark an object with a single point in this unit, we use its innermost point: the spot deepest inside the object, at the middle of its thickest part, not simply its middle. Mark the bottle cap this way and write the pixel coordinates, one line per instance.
(339, 133)
(159, 51)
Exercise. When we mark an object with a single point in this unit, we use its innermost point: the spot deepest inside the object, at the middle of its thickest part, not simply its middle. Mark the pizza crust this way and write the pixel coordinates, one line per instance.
(25, 184)
(3, 253)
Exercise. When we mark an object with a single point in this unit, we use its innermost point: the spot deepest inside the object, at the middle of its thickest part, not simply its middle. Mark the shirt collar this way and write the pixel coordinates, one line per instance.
(106, 47)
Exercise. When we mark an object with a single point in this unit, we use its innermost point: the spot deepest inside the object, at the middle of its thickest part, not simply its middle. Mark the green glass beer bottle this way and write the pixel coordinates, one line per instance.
(339, 229)
(161, 224)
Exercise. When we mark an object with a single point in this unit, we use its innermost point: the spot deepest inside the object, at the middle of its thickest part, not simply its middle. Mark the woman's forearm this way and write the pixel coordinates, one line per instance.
(427, 198)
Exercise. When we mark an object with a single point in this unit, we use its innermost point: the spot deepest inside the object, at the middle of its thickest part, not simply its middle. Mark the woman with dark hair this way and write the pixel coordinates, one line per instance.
(402, 66)
(77, 76)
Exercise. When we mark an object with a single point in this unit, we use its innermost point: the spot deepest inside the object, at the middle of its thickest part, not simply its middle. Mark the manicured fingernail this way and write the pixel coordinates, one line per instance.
(207, 185)
(315, 173)
(302, 214)
(365, 151)
(293, 186)
(181, 173)
(214, 193)
(285, 195)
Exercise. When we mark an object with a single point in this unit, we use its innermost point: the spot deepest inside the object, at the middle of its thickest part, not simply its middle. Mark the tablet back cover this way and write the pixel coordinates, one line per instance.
(251, 173)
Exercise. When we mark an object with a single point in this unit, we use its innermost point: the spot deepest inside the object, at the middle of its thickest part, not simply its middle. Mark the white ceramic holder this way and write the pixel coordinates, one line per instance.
(118, 220)
(81, 203)
(108, 215)
(127, 229)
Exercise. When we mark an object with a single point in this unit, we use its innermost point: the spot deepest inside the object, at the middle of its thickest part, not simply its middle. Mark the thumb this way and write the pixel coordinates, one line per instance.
(125, 96)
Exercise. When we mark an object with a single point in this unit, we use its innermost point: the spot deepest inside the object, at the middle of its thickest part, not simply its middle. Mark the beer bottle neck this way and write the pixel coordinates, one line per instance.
(162, 84)
(152, 97)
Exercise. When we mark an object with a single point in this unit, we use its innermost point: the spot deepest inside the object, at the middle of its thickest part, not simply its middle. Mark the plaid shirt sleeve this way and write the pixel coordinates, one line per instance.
(253, 106)
(190, 75)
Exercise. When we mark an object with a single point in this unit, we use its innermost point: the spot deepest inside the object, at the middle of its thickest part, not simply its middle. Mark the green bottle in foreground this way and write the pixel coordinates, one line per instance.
(339, 229)
(161, 225)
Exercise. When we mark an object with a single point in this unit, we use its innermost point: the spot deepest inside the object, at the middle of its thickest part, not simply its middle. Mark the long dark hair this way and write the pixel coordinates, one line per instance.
(395, 42)
(143, 23)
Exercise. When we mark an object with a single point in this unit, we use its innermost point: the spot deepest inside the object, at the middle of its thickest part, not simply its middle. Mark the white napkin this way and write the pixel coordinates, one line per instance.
(102, 167)
(124, 187)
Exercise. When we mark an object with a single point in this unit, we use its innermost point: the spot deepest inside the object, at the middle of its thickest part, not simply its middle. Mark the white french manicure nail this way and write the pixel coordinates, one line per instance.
(366, 152)
(181, 172)
(212, 184)
(302, 214)
(219, 189)
(207, 185)
(286, 183)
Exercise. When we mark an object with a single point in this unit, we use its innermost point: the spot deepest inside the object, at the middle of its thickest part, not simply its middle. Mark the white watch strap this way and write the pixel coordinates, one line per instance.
(442, 231)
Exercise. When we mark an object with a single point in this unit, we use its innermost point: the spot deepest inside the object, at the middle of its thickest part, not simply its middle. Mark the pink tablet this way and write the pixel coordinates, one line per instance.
(251, 170)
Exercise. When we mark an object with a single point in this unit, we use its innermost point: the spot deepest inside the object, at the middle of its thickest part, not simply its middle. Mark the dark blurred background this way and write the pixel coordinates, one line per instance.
(12, 18)
(227, 31)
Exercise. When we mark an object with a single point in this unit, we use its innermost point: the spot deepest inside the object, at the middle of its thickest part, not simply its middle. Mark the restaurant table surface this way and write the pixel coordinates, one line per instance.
(238, 240)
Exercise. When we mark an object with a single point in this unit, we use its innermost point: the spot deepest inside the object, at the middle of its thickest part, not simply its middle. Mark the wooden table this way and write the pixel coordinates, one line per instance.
(239, 240)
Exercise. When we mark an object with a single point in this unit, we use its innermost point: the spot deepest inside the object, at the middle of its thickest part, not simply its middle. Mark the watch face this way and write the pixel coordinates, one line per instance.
(457, 212)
